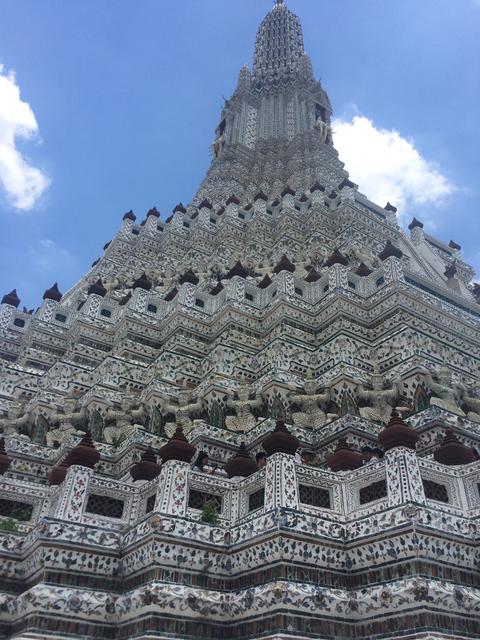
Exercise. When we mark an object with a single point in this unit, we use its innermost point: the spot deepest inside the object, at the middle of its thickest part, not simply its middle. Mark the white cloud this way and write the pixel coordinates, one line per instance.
(388, 167)
(23, 184)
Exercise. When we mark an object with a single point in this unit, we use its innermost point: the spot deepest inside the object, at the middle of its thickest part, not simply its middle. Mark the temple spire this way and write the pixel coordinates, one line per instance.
(279, 46)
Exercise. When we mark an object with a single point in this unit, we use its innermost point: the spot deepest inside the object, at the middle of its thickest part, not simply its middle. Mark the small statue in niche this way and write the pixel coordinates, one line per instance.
(186, 405)
(69, 421)
(244, 420)
(16, 420)
(218, 145)
(381, 401)
(122, 421)
(324, 129)
(471, 401)
(447, 394)
(312, 415)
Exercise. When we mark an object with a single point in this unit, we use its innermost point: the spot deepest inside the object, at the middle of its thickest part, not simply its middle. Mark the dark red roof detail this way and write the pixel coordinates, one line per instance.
(280, 440)
(11, 298)
(415, 223)
(451, 270)
(344, 458)
(189, 276)
(452, 451)
(177, 448)
(216, 289)
(336, 258)
(241, 464)
(312, 276)
(288, 191)
(125, 299)
(171, 294)
(53, 293)
(390, 251)
(284, 264)
(397, 433)
(142, 283)
(317, 187)
(265, 282)
(237, 270)
(345, 183)
(147, 468)
(97, 288)
(363, 270)
(84, 454)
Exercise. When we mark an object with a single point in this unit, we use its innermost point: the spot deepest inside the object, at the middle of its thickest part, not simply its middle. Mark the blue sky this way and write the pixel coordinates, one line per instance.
(125, 97)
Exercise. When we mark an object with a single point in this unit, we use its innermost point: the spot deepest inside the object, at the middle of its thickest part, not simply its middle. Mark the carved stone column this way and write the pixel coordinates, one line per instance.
(6, 313)
(74, 494)
(338, 277)
(281, 486)
(393, 270)
(404, 481)
(172, 491)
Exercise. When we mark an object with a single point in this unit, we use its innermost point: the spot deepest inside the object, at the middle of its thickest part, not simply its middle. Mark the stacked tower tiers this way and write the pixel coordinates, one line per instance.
(280, 312)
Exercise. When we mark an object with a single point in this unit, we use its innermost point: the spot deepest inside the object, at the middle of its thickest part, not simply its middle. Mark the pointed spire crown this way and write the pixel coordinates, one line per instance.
(279, 45)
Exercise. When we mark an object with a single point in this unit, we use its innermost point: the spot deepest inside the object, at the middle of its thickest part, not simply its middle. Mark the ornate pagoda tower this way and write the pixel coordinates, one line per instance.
(280, 312)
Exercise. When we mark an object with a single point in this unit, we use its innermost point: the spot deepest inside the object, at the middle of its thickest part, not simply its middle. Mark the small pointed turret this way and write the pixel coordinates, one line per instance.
(280, 440)
(177, 448)
(179, 208)
(53, 293)
(153, 212)
(284, 264)
(97, 288)
(265, 282)
(363, 271)
(336, 258)
(312, 275)
(344, 458)
(241, 464)
(452, 451)
(237, 270)
(415, 223)
(11, 298)
(84, 454)
(189, 276)
(216, 289)
(390, 251)
(147, 469)
(142, 283)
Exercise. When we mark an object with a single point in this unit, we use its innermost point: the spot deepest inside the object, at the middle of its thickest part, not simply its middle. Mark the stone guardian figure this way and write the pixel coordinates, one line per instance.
(446, 393)
(244, 420)
(311, 415)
